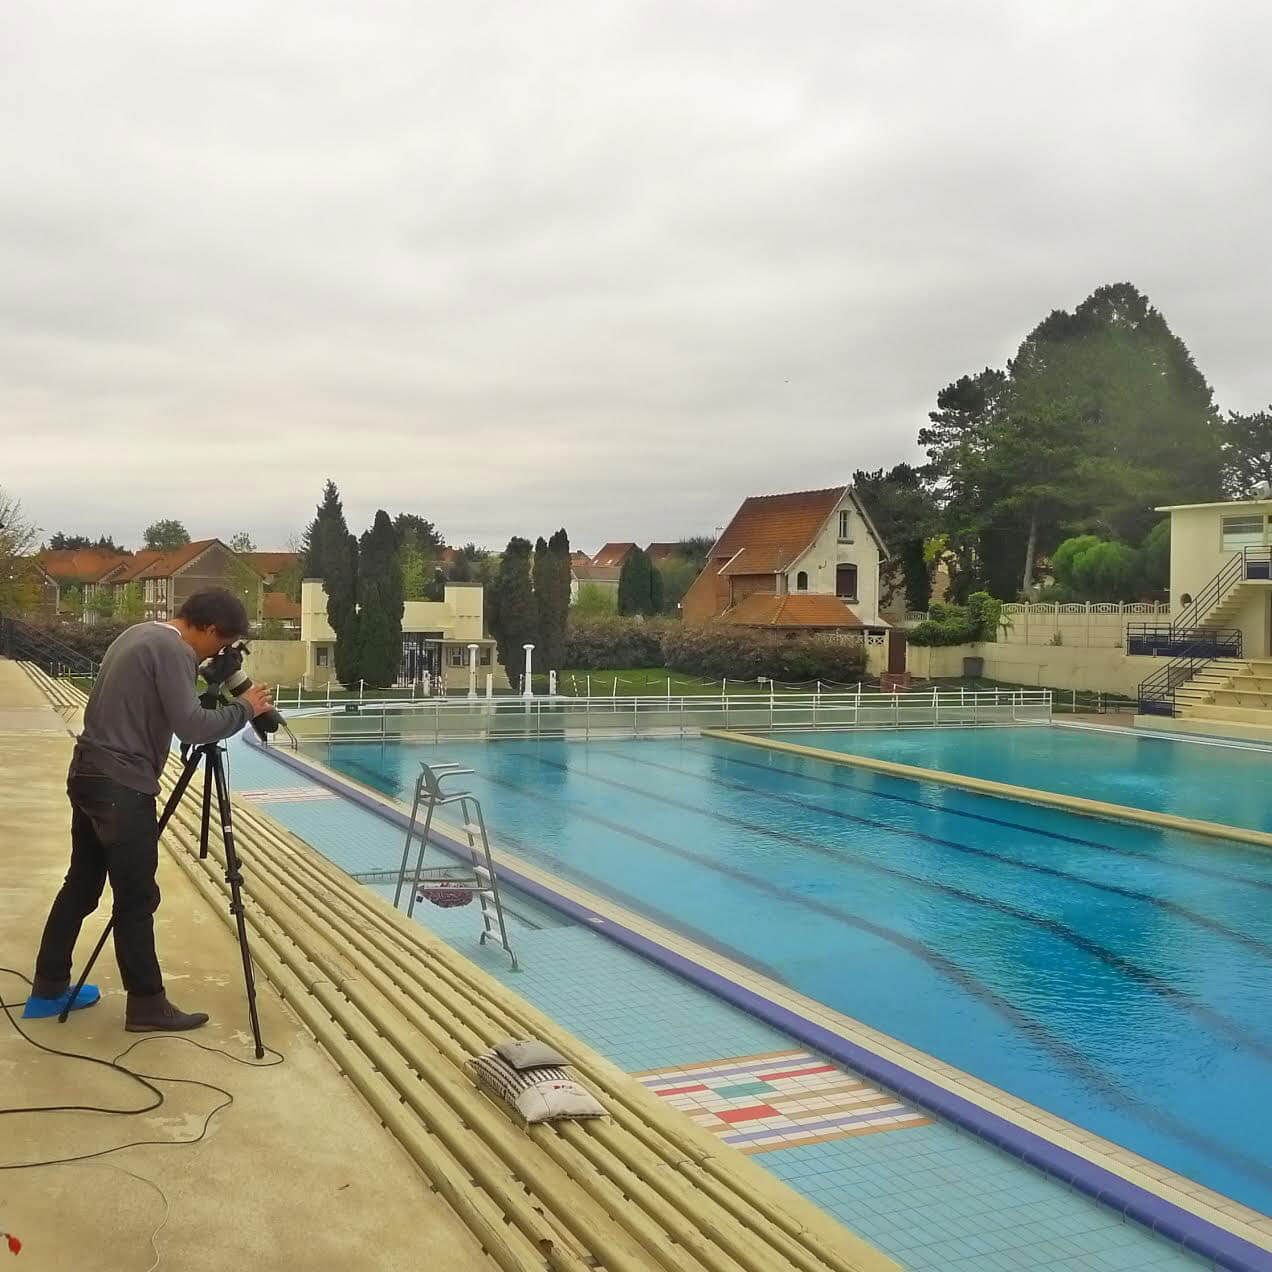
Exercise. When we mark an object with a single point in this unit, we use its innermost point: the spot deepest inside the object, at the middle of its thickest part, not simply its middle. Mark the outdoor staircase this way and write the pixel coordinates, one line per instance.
(1238, 690)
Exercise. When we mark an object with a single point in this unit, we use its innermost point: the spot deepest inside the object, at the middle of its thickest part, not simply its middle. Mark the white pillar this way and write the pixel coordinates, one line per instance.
(552, 684)
(528, 688)
(490, 684)
(472, 671)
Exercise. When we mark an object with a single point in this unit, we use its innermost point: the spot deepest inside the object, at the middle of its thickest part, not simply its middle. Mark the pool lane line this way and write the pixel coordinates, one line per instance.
(1005, 790)
(1184, 1227)
(1069, 1057)
(1132, 853)
(1180, 999)
(1253, 943)
(611, 893)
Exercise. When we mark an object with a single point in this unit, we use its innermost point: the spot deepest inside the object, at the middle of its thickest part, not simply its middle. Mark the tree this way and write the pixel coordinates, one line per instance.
(381, 603)
(245, 583)
(904, 511)
(594, 600)
(18, 586)
(1100, 416)
(332, 555)
(513, 618)
(242, 542)
(1247, 453)
(639, 585)
(539, 571)
(425, 531)
(130, 607)
(163, 536)
(695, 549)
(551, 599)
(60, 541)
(313, 540)
(418, 568)
(102, 602)
(72, 601)
(676, 574)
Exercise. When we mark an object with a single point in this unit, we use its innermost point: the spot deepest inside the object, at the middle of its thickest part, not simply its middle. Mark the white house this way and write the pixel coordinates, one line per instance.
(800, 562)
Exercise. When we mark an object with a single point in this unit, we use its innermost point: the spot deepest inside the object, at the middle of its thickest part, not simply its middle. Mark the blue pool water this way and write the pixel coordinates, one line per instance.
(1116, 975)
(1211, 781)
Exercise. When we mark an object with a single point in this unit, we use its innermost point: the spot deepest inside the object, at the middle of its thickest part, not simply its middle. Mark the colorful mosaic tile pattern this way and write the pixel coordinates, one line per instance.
(779, 1099)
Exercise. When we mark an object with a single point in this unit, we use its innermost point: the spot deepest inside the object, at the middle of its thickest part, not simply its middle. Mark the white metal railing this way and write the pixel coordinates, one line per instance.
(484, 718)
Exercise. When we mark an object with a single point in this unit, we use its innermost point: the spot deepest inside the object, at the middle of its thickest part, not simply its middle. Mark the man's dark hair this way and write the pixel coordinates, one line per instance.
(215, 607)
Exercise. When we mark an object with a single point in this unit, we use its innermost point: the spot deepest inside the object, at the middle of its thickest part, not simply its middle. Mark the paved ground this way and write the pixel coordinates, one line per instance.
(297, 1174)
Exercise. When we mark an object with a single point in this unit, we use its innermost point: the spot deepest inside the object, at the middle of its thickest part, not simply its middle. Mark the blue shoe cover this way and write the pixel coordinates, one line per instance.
(40, 1008)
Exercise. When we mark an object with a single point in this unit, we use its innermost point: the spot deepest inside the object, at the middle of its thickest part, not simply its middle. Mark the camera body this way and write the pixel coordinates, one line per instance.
(223, 673)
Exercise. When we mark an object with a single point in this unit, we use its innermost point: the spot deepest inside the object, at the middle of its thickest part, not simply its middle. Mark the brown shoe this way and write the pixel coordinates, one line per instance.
(153, 1013)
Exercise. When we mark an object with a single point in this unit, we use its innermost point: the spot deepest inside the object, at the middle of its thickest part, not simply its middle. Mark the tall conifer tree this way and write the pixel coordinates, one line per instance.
(381, 604)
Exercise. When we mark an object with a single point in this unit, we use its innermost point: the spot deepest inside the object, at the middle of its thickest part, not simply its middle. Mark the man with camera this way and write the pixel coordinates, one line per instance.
(145, 692)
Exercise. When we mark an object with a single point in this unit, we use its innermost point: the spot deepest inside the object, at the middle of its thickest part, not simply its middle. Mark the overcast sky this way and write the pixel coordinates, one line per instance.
(612, 266)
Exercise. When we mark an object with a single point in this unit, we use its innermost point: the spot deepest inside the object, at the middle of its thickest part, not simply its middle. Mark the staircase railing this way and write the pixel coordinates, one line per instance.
(1249, 563)
(27, 643)
(1162, 640)
(1157, 693)
(1194, 644)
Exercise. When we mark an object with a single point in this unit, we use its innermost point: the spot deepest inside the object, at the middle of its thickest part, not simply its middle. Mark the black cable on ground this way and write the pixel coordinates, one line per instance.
(146, 1080)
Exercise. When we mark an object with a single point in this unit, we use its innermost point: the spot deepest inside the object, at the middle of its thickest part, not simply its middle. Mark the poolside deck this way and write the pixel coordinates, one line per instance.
(297, 1173)
(399, 1012)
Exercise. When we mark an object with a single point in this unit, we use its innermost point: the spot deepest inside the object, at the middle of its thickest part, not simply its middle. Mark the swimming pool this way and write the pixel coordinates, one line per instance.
(1117, 975)
(1213, 781)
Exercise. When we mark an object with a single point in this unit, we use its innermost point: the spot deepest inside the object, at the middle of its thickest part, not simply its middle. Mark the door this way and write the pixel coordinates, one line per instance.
(896, 651)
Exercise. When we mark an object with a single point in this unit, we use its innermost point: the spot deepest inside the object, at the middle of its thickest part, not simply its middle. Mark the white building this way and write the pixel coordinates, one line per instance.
(436, 636)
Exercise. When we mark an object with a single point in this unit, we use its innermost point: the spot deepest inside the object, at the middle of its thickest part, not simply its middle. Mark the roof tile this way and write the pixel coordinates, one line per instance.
(765, 609)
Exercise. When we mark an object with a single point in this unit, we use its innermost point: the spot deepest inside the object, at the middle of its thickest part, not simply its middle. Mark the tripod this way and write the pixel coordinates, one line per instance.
(209, 754)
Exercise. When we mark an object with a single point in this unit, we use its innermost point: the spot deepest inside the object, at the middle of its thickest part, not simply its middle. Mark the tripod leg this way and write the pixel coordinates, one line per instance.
(168, 809)
(235, 879)
(207, 812)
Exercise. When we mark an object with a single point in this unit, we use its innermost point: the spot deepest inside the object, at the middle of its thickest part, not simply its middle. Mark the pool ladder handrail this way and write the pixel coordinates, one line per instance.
(481, 879)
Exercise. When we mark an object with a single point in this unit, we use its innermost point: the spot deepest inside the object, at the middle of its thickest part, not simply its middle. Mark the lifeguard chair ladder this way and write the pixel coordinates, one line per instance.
(479, 878)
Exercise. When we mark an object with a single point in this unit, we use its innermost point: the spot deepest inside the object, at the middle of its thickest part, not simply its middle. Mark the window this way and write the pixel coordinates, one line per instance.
(845, 526)
(320, 656)
(846, 582)
(457, 656)
(801, 581)
(1243, 531)
(485, 655)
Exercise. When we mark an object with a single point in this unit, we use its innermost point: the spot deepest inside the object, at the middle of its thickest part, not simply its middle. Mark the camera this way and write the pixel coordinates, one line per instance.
(224, 672)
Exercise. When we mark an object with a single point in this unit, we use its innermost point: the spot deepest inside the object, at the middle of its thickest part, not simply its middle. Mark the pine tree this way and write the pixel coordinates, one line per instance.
(381, 602)
(559, 578)
(512, 616)
(540, 572)
(636, 585)
(338, 552)
(329, 511)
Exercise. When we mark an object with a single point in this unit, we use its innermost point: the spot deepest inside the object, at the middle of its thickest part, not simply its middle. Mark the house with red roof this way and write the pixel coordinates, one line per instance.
(167, 578)
(800, 562)
(612, 555)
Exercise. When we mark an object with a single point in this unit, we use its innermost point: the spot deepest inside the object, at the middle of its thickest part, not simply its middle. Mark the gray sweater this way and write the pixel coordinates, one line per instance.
(143, 695)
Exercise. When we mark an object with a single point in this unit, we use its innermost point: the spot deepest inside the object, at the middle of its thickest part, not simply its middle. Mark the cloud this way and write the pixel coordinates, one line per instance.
(612, 266)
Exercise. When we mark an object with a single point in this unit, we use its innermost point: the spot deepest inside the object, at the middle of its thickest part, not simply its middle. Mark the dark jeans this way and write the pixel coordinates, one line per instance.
(113, 834)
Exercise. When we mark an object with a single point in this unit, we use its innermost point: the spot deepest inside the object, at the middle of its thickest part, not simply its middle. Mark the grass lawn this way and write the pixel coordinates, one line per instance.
(1081, 701)
(653, 680)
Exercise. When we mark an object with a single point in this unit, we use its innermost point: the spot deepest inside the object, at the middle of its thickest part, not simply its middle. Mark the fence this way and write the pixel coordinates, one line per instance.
(492, 718)
(1083, 625)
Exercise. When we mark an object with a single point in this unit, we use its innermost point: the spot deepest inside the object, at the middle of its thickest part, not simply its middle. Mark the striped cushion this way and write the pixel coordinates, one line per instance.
(541, 1094)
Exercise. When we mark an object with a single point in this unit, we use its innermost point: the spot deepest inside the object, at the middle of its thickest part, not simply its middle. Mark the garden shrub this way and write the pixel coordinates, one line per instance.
(719, 651)
(90, 641)
(597, 642)
(949, 624)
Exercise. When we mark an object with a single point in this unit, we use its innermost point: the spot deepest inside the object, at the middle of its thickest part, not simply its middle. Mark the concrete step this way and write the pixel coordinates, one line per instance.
(1241, 715)
(1240, 698)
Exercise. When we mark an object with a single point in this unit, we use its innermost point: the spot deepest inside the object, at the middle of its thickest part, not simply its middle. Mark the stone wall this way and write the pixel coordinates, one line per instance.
(1053, 667)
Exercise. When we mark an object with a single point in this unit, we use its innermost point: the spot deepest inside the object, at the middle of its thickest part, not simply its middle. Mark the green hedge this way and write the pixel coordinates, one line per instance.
(718, 651)
(949, 624)
(90, 641)
(596, 642)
